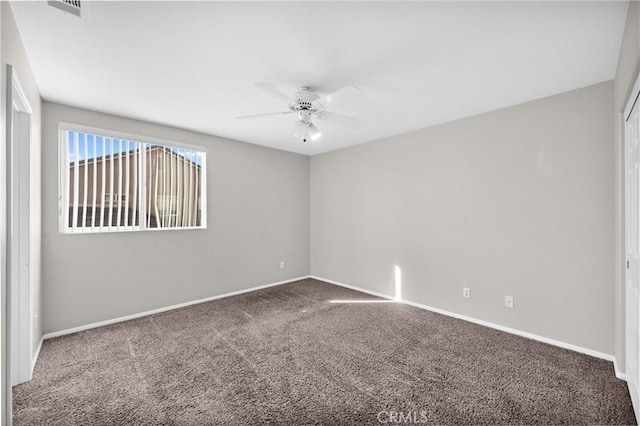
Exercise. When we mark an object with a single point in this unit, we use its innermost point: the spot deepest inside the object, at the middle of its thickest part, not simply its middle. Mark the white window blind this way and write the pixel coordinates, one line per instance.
(114, 182)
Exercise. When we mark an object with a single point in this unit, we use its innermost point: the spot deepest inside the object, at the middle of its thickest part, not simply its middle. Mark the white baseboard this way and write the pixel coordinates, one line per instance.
(164, 309)
(510, 330)
(35, 355)
(620, 375)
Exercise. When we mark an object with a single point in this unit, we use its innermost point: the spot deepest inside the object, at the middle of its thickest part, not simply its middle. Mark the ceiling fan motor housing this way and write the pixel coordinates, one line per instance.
(306, 96)
(304, 104)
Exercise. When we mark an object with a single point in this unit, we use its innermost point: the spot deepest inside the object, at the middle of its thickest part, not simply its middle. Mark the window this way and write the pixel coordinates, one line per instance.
(115, 182)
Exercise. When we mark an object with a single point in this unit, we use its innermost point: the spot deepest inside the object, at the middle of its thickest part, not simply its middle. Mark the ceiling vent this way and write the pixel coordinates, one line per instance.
(69, 6)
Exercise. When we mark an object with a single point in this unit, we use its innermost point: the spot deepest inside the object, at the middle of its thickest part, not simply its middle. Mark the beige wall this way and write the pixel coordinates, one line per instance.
(258, 215)
(13, 53)
(517, 201)
(626, 73)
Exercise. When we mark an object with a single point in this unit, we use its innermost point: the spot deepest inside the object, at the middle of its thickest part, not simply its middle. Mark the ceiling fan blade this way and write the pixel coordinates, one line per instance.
(264, 115)
(342, 91)
(345, 120)
(274, 91)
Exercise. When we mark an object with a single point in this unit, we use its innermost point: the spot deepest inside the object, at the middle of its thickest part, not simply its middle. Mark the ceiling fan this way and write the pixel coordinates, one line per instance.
(306, 104)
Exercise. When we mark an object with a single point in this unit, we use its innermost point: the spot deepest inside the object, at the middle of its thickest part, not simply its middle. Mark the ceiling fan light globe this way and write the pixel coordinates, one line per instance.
(314, 132)
(299, 129)
(307, 135)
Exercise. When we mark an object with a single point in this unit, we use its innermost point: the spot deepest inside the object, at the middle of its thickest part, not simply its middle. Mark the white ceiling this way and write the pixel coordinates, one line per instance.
(193, 65)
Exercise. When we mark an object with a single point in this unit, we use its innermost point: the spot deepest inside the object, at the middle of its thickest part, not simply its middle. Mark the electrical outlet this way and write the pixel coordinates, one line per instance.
(508, 301)
(281, 265)
(466, 292)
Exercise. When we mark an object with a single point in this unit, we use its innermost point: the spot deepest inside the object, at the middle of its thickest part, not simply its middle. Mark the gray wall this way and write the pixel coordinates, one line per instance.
(257, 215)
(517, 201)
(13, 53)
(626, 73)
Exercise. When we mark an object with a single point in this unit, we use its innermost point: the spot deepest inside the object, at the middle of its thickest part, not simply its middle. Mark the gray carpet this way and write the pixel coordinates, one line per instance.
(286, 355)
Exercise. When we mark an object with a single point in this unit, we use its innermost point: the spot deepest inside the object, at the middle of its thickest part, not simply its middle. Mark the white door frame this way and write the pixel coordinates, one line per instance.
(632, 243)
(19, 292)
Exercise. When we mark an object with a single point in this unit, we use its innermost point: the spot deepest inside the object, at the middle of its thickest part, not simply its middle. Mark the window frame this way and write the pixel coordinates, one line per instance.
(64, 175)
